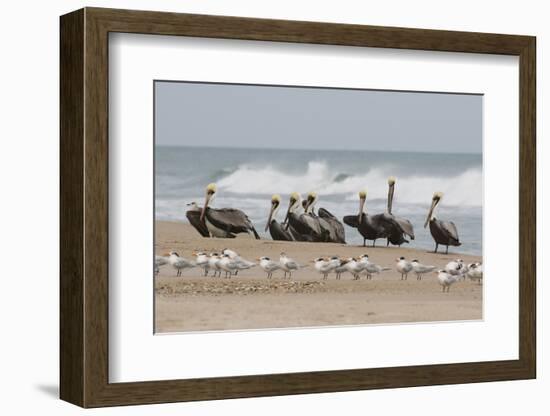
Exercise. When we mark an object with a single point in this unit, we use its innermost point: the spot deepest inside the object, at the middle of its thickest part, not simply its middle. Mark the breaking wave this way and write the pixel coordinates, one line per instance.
(462, 189)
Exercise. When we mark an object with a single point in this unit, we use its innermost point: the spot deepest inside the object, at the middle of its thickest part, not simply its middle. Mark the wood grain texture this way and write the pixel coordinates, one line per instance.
(84, 204)
(71, 100)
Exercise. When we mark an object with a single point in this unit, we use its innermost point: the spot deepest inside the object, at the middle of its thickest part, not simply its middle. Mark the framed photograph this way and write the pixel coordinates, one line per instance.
(255, 207)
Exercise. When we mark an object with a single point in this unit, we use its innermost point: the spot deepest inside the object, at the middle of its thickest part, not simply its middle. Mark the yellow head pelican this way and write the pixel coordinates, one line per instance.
(311, 200)
(275, 203)
(435, 200)
(211, 190)
(362, 199)
(294, 203)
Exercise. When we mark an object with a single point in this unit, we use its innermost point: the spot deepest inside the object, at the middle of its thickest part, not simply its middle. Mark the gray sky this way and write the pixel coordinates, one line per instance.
(229, 115)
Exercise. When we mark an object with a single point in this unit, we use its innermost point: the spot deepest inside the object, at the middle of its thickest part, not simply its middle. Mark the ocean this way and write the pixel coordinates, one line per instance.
(247, 178)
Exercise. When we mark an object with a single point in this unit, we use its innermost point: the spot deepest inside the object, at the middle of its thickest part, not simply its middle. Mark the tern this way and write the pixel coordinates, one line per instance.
(446, 280)
(421, 269)
(269, 266)
(160, 261)
(213, 261)
(354, 267)
(475, 272)
(241, 263)
(404, 267)
(323, 266)
(339, 270)
(179, 263)
(202, 261)
(370, 268)
(228, 265)
(288, 264)
(455, 267)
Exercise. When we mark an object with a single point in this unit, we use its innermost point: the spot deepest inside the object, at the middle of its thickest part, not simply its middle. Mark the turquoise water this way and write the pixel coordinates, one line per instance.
(247, 178)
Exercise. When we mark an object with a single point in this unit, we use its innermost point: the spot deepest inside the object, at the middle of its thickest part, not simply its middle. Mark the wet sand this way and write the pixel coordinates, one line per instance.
(193, 302)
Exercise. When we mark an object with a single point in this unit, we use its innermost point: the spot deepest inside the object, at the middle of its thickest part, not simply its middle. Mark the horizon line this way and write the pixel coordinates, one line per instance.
(310, 149)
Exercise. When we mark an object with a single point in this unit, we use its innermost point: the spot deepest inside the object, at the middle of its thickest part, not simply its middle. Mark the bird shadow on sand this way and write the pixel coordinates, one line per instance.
(51, 390)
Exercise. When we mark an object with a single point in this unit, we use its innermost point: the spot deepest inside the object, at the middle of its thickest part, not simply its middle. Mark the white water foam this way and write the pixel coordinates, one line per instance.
(464, 189)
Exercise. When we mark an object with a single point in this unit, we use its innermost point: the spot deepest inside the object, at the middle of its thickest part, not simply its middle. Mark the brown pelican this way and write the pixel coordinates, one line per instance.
(193, 215)
(443, 232)
(333, 229)
(303, 226)
(224, 222)
(276, 229)
(396, 227)
(371, 227)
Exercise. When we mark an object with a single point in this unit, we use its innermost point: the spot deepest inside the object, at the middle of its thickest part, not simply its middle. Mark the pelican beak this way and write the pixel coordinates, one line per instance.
(391, 189)
(273, 205)
(430, 212)
(361, 205)
(206, 201)
(290, 204)
(309, 201)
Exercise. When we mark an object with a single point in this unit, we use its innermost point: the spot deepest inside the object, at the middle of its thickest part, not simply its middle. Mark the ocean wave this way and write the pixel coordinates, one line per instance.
(459, 190)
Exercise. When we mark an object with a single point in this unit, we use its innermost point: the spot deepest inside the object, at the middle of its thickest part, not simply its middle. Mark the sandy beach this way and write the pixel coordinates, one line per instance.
(251, 301)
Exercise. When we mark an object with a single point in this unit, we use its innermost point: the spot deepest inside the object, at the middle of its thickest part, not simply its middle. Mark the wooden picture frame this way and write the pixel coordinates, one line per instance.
(84, 207)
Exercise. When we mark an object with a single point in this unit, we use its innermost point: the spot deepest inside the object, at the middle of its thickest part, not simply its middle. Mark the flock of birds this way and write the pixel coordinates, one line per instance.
(303, 223)
(230, 262)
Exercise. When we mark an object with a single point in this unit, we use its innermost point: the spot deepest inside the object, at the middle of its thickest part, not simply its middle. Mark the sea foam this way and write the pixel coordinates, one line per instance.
(463, 189)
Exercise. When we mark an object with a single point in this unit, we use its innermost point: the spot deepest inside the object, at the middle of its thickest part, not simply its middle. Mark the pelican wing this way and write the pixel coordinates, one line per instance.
(232, 220)
(194, 218)
(405, 226)
(338, 234)
(278, 232)
(352, 220)
(450, 228)
(297, 236)
(323, 213)
(312, 223)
